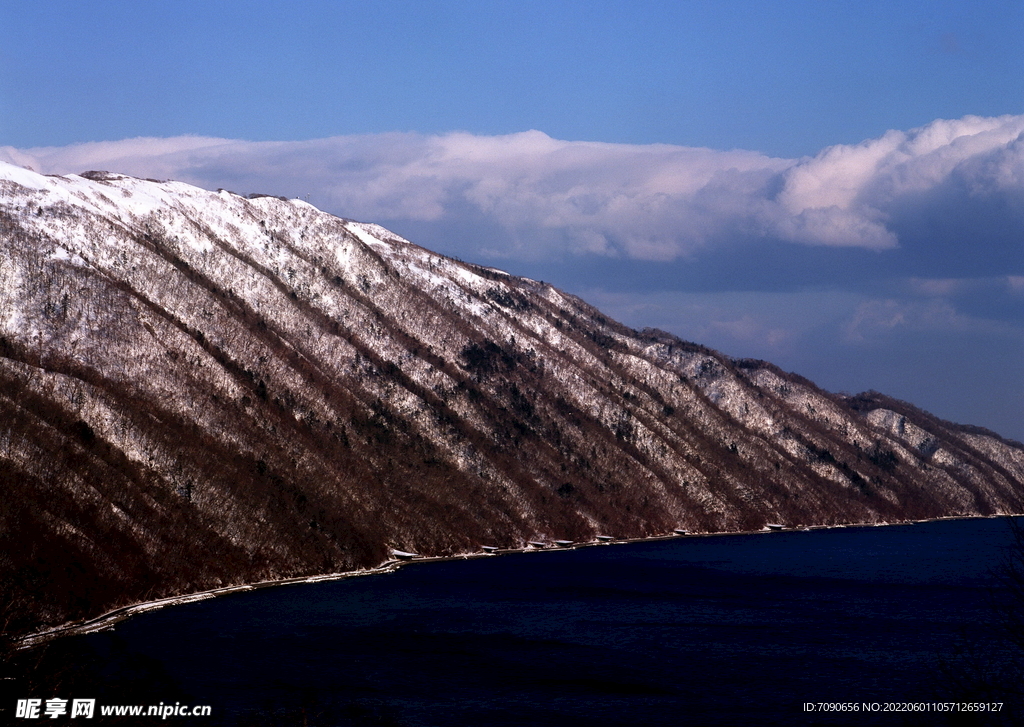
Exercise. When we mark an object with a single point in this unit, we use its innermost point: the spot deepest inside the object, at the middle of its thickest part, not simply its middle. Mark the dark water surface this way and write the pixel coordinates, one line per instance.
(720, 630)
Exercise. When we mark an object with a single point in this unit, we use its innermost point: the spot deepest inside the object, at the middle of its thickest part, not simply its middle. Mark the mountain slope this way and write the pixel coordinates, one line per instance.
(199, 389)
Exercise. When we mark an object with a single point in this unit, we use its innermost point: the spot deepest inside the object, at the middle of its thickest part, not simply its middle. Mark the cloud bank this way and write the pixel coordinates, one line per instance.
(650, 202)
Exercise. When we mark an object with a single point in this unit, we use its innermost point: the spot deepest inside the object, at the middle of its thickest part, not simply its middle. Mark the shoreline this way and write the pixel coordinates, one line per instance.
(109, 619)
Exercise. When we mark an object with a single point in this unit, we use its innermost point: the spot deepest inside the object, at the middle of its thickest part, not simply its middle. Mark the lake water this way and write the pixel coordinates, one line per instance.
(724, 630)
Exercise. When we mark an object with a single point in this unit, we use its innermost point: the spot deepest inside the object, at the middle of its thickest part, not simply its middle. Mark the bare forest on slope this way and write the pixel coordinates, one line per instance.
(200, 389)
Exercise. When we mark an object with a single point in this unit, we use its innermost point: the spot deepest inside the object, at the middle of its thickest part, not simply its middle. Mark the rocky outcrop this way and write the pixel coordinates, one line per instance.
(199, 389)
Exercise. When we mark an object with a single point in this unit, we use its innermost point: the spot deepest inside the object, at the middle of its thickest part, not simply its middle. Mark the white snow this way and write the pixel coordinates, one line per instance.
(360, 230)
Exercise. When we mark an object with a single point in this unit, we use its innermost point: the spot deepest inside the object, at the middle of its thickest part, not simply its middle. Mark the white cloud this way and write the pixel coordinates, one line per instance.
(877, 318)
(1002, 288)
(652, 202)
(749, 324)
(940, 287)
(877, 170)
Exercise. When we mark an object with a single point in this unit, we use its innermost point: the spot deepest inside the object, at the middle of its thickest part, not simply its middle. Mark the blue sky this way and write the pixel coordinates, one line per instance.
(784, 78)
(836, 187)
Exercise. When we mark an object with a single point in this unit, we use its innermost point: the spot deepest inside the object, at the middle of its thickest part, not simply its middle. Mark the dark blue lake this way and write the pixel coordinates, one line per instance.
(724, 630)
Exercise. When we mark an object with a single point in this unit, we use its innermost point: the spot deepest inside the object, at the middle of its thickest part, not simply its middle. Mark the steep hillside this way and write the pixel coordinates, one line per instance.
(200, 389)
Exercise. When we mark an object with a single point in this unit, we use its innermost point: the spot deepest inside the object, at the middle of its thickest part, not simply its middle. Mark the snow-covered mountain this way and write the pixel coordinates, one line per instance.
(200, 389)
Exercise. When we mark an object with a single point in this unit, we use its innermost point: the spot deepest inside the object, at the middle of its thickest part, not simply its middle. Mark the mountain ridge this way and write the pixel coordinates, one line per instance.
(199, 389)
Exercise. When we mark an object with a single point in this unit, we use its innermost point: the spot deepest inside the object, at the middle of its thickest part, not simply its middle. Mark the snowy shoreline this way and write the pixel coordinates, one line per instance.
(111, 618)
